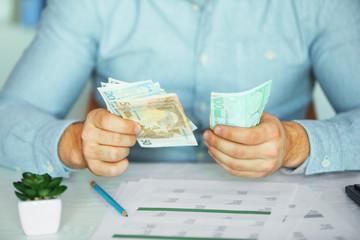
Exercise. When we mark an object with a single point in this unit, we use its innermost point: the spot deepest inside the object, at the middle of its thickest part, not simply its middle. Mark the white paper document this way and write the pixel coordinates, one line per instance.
(303, 200)
(230, 210)
(186, 209)
(322, 222)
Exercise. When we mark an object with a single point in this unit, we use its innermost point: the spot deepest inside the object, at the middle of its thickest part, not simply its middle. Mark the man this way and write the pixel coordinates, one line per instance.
(191, 48)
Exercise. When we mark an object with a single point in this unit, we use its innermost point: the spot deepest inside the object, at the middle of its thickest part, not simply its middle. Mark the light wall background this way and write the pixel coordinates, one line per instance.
(14, 39)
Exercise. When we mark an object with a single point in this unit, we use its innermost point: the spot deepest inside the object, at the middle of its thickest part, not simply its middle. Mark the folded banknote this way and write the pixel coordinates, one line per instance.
(242, 109)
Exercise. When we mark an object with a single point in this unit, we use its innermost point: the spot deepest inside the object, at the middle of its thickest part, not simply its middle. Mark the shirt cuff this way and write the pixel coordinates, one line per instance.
(46, 145)
(324, 151)
(299, 170)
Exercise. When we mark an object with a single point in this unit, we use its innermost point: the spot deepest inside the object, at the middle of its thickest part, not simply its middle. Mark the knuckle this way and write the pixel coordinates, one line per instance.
(113, 154)
(238, 153)
(86, 133)
(213, 140)
(88, 150)
(116, 138)
(227, 134)
(90, 116)
(234, 165)
(93, 168)
(253, 138)
(274, 131)
(102, 120)
(112, 171)
(234, 172)
(273, 152)
(126, 152)
(268, 166)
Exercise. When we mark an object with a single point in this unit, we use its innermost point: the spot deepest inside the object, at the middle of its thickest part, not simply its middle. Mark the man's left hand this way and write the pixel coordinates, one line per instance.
(260, 150)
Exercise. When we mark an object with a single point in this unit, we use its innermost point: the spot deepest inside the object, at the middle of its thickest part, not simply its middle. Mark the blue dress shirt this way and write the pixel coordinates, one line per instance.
(191, 48)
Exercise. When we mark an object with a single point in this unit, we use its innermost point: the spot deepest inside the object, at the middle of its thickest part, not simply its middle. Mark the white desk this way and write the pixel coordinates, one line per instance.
(83, 209)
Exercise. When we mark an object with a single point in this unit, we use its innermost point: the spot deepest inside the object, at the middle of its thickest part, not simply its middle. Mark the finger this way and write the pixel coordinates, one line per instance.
(267, 129)
(248, 174)
(249, 136)
(109, 169)
(108, 138)
(258, 165)
(233, 149)
(267, 117)
(110, 122)
(105, 153)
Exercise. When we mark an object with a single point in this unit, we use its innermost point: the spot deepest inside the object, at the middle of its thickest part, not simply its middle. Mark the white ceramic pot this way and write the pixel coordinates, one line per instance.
(40, 216)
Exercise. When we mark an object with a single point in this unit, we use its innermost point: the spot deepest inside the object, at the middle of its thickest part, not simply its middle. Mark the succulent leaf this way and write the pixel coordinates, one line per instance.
(47, 178)
(36, 187)
(55, 182)
(27, 175)
(31, 193)
(21, 196)
(44, 192)
(19, 186)
(60, 190)
(28, 182)
(45, 181)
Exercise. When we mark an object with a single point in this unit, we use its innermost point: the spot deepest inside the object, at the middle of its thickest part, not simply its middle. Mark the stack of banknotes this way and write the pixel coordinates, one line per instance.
(160, 114)
(162, 118)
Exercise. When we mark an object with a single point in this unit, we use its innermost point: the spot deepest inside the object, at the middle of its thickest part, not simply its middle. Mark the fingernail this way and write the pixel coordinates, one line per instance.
(217, 131)
(137, 129)
(206, 136)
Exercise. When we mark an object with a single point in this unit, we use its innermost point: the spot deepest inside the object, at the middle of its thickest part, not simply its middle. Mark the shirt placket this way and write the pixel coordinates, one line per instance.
(201, 95)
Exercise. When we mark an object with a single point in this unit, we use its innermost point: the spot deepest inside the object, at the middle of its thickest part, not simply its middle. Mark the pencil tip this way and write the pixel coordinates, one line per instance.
(92, 183)
(124, 213)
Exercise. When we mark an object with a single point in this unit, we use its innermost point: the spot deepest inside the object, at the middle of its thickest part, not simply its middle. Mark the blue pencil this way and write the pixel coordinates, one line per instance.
(109, 199)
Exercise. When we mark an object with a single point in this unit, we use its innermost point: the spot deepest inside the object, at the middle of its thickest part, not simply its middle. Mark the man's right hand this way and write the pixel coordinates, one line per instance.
(102, 143)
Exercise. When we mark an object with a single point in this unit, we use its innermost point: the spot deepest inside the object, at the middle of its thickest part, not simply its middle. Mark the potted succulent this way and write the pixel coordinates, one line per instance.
(39, 205)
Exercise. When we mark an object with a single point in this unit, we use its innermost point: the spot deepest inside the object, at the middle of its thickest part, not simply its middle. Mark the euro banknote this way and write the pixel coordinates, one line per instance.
(162, 119)
(115, 92)
(242, 109)
(160, 114)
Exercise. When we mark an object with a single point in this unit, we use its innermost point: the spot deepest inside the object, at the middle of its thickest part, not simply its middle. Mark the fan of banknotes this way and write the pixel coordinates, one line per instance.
(162, 118)
(160, 114)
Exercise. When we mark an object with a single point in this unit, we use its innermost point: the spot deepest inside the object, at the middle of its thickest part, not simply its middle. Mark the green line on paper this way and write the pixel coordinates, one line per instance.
(174, 237)
(202, 210)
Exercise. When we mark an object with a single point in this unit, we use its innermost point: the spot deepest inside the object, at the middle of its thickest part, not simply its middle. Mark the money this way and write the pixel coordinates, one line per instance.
(242, 109)
(163, 121)
(160, 114)
(113, 92)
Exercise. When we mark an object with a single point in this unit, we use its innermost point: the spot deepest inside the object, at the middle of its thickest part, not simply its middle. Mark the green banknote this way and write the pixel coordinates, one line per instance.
(242, 109)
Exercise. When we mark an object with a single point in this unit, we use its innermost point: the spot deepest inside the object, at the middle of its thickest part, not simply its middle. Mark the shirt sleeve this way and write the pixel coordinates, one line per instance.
(44, 85)
(335, 55)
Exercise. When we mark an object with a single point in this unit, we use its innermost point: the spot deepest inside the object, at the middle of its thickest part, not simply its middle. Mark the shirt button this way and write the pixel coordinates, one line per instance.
(270, 55)
(200, 155)
(203, 59)
(17, 169)
(50, 167)
(325, 162)
(195, 7)
(202, 106)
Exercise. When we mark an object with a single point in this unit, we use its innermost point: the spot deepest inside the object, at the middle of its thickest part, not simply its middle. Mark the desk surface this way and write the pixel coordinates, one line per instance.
(83, 209)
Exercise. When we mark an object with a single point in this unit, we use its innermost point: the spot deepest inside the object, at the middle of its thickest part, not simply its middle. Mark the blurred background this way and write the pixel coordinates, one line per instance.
(18, 21)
